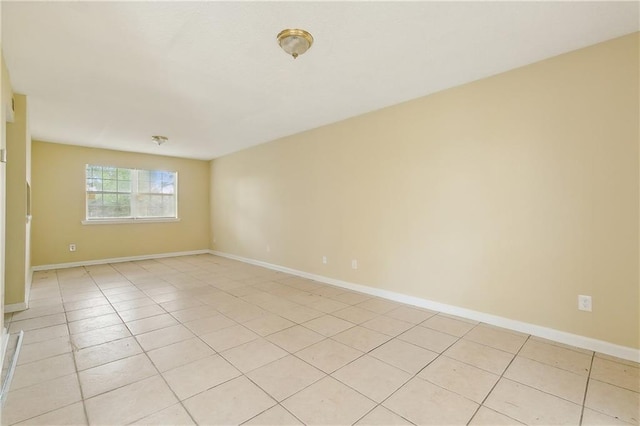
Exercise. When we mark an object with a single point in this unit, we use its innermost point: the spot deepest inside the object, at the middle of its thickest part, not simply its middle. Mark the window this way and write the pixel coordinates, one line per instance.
(115, 193)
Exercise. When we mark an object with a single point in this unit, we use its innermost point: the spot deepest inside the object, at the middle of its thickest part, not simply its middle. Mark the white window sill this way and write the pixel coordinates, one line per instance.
(124, 221)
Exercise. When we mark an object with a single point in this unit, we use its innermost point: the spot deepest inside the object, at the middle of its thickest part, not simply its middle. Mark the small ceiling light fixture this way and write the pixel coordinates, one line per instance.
(294, 41)
(159, 140)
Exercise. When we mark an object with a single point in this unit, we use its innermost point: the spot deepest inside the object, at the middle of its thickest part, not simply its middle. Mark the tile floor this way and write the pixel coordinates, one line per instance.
(207, 340)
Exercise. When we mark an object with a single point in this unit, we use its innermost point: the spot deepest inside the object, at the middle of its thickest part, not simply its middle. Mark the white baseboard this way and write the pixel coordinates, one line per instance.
(15, 307)
(118, 260)
(584, 342)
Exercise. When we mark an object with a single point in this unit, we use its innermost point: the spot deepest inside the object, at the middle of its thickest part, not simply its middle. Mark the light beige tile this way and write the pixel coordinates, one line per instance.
(72, 415)
(410, 314)
(613, 401)
(406, 356)
(95, 311)
(546, 378)
(481, 356)
(126, 296)
(448, 325)
(328, 325)
(133, 304)
(229, 337)
(295, 338)
(20, 403)
(175, 415)
(355, 315)
(254, 354)
(177, 354)
(614, 373)
(562, 345)
(380, 306)
(286, 376)
(531, 406)
(43, 370)
(268, 324)
(129, 403)
(47, 333)
(102, 335)
(84, 304)
(51, 301)
(106, 352)
(194, 313)
(94, 323)
(387, 325)
(36, 323)
(274, 416)
(556, 356)
(496, 338)
(591, 418)
(244, 313)
(40, 350)
(236, 401)
(381, 416)
(424, 403)
(488, 417)
(350, 297)
(195, 377)
(372, 377)
(141, 313)
(117, 288)
(361, 338)
(163, 337)
(328, 355)
(299, 314)
(37, 312)
(463, 379)
(209, 324)
(328, 402)
(611, 358)
(429, 339)
(146, 325)
(106, 377)
(327, 305)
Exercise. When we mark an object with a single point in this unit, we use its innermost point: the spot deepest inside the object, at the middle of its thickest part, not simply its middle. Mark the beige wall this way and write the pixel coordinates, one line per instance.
(58, 176)
(510, 195)
(17, 269)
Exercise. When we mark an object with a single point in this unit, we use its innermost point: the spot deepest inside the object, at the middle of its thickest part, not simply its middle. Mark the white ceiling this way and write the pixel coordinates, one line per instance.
(211, 77)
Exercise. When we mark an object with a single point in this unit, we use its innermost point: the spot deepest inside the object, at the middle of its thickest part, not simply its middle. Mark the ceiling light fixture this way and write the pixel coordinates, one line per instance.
(294, 41)
(159, 140)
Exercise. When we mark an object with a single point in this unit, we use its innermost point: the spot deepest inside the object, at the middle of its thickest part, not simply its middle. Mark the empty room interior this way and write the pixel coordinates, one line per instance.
(320, 213)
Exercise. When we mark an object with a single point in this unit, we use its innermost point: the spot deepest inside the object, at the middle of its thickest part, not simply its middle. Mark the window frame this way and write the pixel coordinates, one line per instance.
(134, 192)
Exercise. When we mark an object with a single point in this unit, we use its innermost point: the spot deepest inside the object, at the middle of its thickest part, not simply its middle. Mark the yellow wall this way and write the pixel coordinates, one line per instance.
(58, 176)
(17, 268)
(510, 195)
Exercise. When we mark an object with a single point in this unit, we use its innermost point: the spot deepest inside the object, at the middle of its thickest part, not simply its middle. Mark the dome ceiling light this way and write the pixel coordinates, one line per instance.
(295, 41)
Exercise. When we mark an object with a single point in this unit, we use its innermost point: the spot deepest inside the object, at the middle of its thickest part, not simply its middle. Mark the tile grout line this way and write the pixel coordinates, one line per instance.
(586, 389)
(415, 375)
(74, 365)
(144, 351)
(498, 381)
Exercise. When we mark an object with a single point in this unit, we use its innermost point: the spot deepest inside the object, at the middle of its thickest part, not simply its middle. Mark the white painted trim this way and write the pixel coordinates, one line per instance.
(589, 343)
(118, 260)
(15, 307)
(129, 221)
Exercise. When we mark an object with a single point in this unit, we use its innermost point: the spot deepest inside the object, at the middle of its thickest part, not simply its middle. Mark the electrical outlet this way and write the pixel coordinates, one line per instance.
(324, 259)
(584, 303)
(72, 247)
(354, 264)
